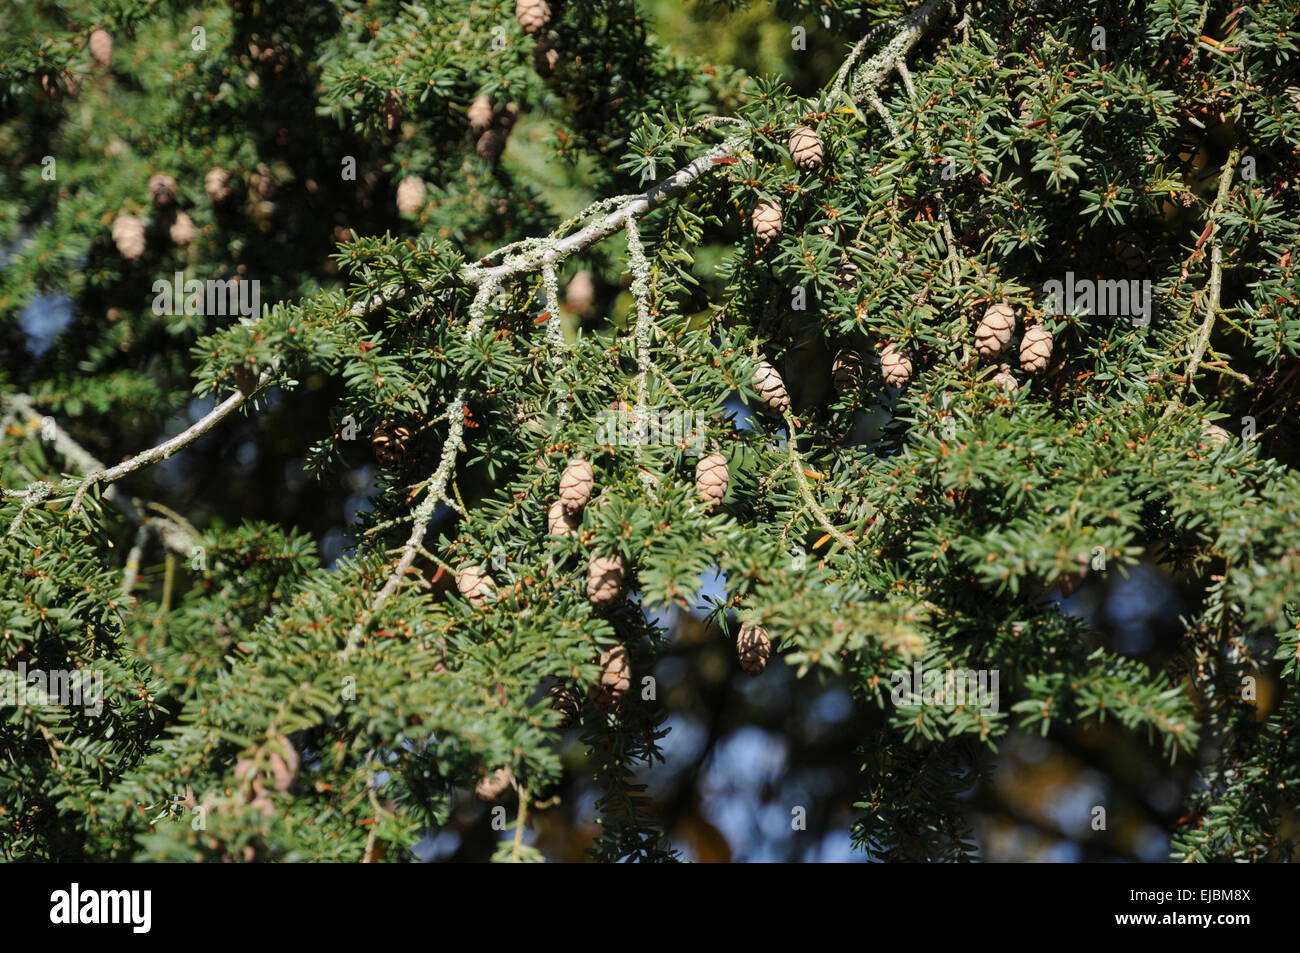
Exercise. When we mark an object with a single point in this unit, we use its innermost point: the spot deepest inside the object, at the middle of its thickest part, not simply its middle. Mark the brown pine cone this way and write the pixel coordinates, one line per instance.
(1215, 435)
(895, 366)
(545, 57)
(162, 190)
(994, 331)
(491, 144)
(392, 110)
(754, 647)
(766, 220)
(410, 195)
(181, 231)
(711, 478)
(389, 442)
(615, 679)
(770, 388)
(492, 786)
(1035, 349)
(560, 523)
(846, 370)
(605, 579)
(128, 236)
(1004, 379)
(576, 483)
(101, 48)
(805, 148)
(474, 584)
(217, 184)
(580, 293)
(479, 113)
(533, 15)
(565, 700)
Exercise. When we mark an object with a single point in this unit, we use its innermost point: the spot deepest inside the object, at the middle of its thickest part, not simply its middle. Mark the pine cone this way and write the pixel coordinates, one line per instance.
(994, 331)
(766, 220)
(560, 523)
(576, 483)
(1005, 380)
(565, 700)
(492, 786)
(128, 236)
(846, 370)
(805, 148)
(605, 579)
(284, 764)
(389, 443)
(217, 184)
(754, 647)
(509, 116)
(101, 48)
(392, 110)
(246, 379)
(491, 144)
(474, 584)
(1215, 435)
(480, 113)
(895, 366)
(1035, 349)
(533, 15)
(1130, 253)
(162, 190)
(770, 388)
(711, 477)
(410, 195)
(580, 293)
(545, 57)
(264, 183)
(615, 679)
(181, 231)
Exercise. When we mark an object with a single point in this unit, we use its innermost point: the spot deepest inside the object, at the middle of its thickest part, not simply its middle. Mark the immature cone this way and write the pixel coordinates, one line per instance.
(994, 331)
(1215, 435)
(509, 116)
(846, 369)
(615, 678)
(101, 48)
(217, 184)
(474, 584)
(162, 190)
(766, 220)
(1035, 349)
(1005, 380)
(128, 236)
(560, 523)
(576, 483)
(565, 700)
(410, 195)
(580, 293)
(805, 148)
(711, 477)
(754, 647)
(533, 15)
(770, 387)
(491, 144)
(605, 579)
(492, 786)
(480, 113)
(389, 443)
(1130, 253)
(895, 366)
(181, 231)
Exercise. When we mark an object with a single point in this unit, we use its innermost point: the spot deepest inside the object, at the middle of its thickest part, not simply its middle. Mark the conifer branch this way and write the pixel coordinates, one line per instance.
(1216, 267)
